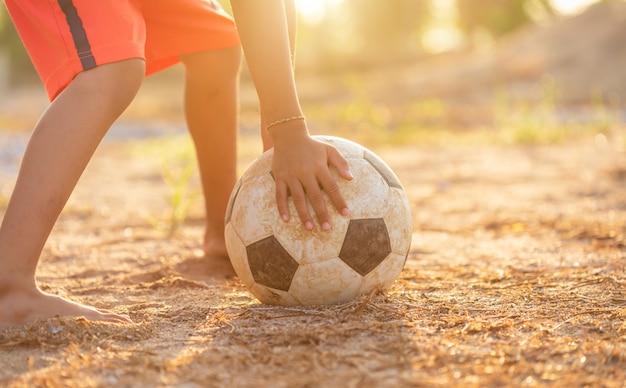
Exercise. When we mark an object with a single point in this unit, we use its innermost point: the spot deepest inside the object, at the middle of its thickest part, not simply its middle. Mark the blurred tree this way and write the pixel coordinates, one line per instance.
(20, 66)
(385, 31)
(497, 17)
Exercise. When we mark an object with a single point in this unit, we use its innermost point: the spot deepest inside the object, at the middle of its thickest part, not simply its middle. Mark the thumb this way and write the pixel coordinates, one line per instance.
(340, 163)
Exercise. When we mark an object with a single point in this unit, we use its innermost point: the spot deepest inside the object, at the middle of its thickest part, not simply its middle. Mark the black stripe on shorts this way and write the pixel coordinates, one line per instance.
(83, 48)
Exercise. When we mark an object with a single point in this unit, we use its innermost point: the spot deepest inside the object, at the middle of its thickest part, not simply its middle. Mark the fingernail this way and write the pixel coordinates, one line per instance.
(350, 174)
(308, 225)
(326, 226)
(285, 217)
(345, 211)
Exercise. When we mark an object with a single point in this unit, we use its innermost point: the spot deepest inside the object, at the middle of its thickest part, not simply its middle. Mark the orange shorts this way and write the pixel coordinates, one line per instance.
(66, 37)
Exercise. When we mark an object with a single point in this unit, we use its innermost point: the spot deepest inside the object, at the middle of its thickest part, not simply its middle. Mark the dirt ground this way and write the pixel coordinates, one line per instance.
(516, 276)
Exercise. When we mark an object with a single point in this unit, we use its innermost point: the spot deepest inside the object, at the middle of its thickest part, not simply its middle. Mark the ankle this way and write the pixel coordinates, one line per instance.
(215, 247)
(14, 285)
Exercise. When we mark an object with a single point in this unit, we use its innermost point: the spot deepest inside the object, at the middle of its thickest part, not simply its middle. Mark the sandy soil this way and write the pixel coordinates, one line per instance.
(516, 276)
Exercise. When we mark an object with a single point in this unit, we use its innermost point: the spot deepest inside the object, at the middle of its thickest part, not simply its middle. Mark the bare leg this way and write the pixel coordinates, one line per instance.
(290, 11)
(61, 145)
(265, 135)
(211, 100)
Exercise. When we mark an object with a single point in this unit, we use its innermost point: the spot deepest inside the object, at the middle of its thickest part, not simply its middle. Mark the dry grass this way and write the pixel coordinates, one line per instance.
(439, 325)
(516, 277)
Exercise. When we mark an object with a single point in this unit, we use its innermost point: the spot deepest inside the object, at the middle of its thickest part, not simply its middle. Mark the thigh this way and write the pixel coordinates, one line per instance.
(66, 37)
(178, 27)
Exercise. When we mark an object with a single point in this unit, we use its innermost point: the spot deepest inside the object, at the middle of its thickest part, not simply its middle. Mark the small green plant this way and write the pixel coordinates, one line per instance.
(508, 121)
(545, 122)
(178, 166)
(606, 122)
(530, 123)
(369, 121)
(178, 177)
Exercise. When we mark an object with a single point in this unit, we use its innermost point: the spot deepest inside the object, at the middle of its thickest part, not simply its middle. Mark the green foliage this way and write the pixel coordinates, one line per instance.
(524, 122)
(356, 33)
(178, 167)
(20, 65)
(514, 121)
(607, 121)
(387, 30)
(373, 122)
(543, 122)
(497, 17)
(226, 5)
(177, 175)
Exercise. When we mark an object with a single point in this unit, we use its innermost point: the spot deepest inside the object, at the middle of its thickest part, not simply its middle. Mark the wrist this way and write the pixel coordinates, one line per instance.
(285, 120)
(288, 131)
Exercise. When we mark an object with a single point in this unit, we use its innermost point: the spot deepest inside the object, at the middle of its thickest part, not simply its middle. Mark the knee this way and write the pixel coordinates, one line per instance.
(116, 82)
(213, 69)
(128, 76)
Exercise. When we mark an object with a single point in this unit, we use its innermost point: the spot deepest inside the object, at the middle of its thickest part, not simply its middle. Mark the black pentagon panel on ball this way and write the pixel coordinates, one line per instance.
(271, 265)
(231, 202)
(366, 244)
(387, 173)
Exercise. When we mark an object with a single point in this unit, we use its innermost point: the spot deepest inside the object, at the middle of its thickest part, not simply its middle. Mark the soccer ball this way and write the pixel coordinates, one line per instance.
(282, 263)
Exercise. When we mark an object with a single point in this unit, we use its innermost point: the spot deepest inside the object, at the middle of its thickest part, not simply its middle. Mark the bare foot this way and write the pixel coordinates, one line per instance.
(205, 268)
(20, 307)
(214, 264)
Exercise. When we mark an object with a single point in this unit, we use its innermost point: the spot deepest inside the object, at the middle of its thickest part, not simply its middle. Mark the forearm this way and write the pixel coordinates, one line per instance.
(267, 32)
(300, 164)
(290, 12)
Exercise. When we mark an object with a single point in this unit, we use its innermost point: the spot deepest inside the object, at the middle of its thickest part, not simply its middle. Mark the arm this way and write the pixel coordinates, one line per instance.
(262, 27)
(300, 164)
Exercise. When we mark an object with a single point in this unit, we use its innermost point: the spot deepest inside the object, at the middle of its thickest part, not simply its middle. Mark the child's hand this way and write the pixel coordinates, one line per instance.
(301, 167)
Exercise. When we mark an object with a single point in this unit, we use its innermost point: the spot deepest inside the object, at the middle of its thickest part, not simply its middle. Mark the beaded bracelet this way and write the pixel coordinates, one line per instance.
(282, 121)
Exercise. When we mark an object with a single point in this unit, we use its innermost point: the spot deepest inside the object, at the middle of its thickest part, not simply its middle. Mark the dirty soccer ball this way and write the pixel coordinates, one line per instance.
(282, 263)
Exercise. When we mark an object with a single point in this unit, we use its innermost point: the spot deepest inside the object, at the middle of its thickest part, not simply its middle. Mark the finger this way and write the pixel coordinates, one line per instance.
(298, 196)
(336, 160)
(282, 195)
(316, 197)
(334, 193)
